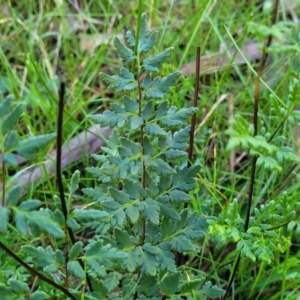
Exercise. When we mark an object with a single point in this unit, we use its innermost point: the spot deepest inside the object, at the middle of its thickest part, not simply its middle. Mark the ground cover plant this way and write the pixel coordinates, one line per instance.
(142, 218)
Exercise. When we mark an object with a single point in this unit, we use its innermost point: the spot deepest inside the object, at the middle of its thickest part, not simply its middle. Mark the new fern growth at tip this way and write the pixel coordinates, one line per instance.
(143, 181)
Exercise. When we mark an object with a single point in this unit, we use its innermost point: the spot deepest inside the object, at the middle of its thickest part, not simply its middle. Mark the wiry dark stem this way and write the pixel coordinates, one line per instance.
(3, 181)
(196, 95)
(59, 177)
(36, 273)
(255, 123)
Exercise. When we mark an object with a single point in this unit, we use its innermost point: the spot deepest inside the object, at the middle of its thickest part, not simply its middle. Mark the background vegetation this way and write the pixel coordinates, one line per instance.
(44, 42)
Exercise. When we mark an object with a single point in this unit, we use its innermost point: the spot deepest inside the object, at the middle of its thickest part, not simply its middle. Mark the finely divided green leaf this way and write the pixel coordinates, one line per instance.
(146, 82)
(170, 284)
(119, 83)
(38, 295)
(18, 287)
(160, 86)
(101, 252)
(174, 153)
(38, 255)
(166, 258)
(179, 196)
(149, 43)
(135, 122)
(75, 250)
(154, 129)
(124, 52)
(43, 221)
(109, 118)
(164, 168)
(88, 214)
(133, 213)
(211, 291)
(75, 269)
(130, 105)
(122, 238)
(154, 63)
(133, 260)
(21, 223)
(149, 263)
(245, 247)
(182, 244)
(130, 39)
(147, 111)
(119, 196)
(6, 293)
(162, 109)
(150, 210)
(188, 286)
(134, 147)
